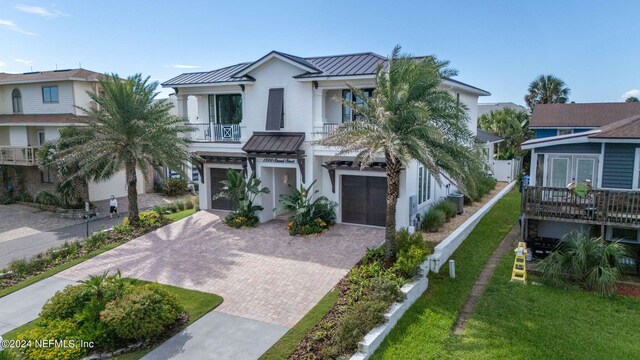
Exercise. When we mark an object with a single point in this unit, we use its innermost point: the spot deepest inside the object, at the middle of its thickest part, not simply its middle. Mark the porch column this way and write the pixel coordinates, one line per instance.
(318, 109)
(183, 111)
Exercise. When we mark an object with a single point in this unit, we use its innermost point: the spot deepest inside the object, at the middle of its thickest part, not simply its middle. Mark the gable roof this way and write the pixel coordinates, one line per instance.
(54, 75)
(628, 128)
(588, 115)
(358, 64)
(16, 119)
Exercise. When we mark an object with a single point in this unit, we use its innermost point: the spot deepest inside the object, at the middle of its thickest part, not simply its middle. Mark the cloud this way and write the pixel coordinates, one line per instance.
(630, 93)
(2, 63)
(177, 66)
(23, 61)
(10, 25)
(38, 10)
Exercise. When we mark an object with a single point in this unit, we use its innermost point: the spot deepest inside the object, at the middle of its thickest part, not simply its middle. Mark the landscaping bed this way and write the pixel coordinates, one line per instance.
(435, 238)
(125, 318)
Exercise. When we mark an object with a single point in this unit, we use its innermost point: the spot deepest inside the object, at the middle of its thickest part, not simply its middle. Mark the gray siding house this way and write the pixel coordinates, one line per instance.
(605, 157)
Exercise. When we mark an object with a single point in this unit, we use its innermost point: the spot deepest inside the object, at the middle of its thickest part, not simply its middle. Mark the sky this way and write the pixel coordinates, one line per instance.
(499, 46)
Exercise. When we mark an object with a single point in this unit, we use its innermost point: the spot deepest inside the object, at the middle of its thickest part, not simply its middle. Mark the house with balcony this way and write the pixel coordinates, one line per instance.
(264, 116)
(34, 106)
(597, 147)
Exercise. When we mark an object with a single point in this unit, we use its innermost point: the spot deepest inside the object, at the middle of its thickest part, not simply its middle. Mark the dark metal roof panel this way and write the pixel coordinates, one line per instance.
(484, 137)
(216, 76)
(274, 143)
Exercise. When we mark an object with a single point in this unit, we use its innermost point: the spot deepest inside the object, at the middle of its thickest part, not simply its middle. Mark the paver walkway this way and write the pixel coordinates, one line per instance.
(269, 280)
(487, 272)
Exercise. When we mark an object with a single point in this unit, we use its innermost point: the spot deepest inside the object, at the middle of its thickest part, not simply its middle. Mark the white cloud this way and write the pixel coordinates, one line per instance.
(38, 10)
(630, 93)
(10, 25)
(23, 61)
(177, 66)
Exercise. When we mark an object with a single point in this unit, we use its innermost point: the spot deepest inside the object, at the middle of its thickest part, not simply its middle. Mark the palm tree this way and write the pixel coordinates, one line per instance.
(409, 117)
(632, 99)
(510, 124)
(547, 89)
(128, 129)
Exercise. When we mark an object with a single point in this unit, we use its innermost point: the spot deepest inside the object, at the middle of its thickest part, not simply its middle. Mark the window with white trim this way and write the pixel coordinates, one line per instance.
(565, 131)
(424, 185)
(50, 94)
(565, 168)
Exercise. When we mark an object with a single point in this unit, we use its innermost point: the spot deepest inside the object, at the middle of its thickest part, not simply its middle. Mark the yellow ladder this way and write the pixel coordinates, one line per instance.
(520, 264)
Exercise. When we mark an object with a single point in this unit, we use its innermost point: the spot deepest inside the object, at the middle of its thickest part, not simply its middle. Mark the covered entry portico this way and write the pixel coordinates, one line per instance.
(277, 160)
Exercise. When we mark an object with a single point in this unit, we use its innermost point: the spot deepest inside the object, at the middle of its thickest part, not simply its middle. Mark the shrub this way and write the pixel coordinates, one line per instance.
(65, 303)
(180, 205)
(310, 216)
(174, 187)
(143, 313)
(97, 240)
(20, 267)
(46, 198)
(588, 261)
(8, 354)
(412, 250)
(53, 330)
(434, 219)
(163, 210)
(448, 208)
(188, 203)
(23, 197)
(237, 221)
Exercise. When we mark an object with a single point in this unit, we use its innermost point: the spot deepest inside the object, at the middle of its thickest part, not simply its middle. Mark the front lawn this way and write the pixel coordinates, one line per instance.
(511, 320)
(181, 214)
(195, 304)
(425, 330)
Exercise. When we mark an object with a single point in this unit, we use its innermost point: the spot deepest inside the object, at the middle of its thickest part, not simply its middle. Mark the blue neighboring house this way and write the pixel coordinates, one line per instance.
(596, 144)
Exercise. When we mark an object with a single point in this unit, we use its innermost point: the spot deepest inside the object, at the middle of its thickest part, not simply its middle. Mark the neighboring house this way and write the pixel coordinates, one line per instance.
(33, 107)
(485, 108)
(602, 148)
(262, 117)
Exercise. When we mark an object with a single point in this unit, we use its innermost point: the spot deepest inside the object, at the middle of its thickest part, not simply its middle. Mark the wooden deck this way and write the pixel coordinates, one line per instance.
(598, 207)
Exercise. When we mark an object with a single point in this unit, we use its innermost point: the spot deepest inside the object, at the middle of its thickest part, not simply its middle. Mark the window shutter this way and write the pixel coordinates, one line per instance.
(275, 108)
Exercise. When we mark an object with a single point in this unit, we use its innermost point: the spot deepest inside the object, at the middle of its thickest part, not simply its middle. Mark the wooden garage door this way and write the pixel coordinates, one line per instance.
(218, 175)
(364, 199)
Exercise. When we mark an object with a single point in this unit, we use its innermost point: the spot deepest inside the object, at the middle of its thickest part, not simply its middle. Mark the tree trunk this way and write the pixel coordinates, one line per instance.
(132, 193)
(393, 169)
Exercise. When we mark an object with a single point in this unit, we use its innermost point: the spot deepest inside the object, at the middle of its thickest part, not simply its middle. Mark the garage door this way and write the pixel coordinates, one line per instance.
(218, 175)
(364, 199)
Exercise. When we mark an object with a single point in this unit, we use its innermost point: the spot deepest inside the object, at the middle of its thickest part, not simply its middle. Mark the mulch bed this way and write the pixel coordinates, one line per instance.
(319, 337)
(627, 290)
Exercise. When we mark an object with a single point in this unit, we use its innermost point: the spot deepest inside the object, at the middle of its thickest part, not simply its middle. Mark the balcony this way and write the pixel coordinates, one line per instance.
(598, 207)
(18, 155)
(209, 132)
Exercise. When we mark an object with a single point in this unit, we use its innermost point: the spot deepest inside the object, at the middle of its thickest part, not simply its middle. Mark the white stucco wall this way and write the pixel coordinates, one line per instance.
(116, 186)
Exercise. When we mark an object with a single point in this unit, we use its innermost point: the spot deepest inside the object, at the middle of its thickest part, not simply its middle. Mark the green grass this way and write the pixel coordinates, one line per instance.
(181, 214)
(56, 269)
(425, 329)
(288, 343)
(511, 320)
(195, 303)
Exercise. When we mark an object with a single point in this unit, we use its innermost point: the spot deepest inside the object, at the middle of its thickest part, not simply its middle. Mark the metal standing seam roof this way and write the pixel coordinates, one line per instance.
(359, 64)
(274, 143)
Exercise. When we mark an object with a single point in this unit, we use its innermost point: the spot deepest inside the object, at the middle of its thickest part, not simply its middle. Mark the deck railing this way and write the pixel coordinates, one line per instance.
(19, 155)
(596, 207)
(215, 132)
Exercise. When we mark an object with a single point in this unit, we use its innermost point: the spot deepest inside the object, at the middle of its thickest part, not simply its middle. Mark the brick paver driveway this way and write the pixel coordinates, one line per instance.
(263, 273)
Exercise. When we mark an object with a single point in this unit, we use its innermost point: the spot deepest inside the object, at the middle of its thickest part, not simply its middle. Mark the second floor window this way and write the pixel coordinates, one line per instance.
(225, 109)
(49, 94)
(16, 100)
(347, 113)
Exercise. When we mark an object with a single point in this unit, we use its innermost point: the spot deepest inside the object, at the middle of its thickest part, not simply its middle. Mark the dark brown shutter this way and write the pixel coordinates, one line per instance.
(274, 109)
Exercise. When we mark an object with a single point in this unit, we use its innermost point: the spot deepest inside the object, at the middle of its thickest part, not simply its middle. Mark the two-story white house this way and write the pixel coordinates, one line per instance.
(33, 107)
(263, 116)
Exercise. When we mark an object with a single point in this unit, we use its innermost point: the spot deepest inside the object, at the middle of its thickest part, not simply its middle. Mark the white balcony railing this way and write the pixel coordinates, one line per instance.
(18, 155)
(215, 132)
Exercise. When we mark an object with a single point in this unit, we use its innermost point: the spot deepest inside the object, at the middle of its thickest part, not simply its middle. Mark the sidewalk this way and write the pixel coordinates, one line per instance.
(24, 305)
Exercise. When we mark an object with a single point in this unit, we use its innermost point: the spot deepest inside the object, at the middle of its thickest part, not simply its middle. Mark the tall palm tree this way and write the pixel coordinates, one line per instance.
(547, 89)
(510, 124)
(409, 117)
(128, 129)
